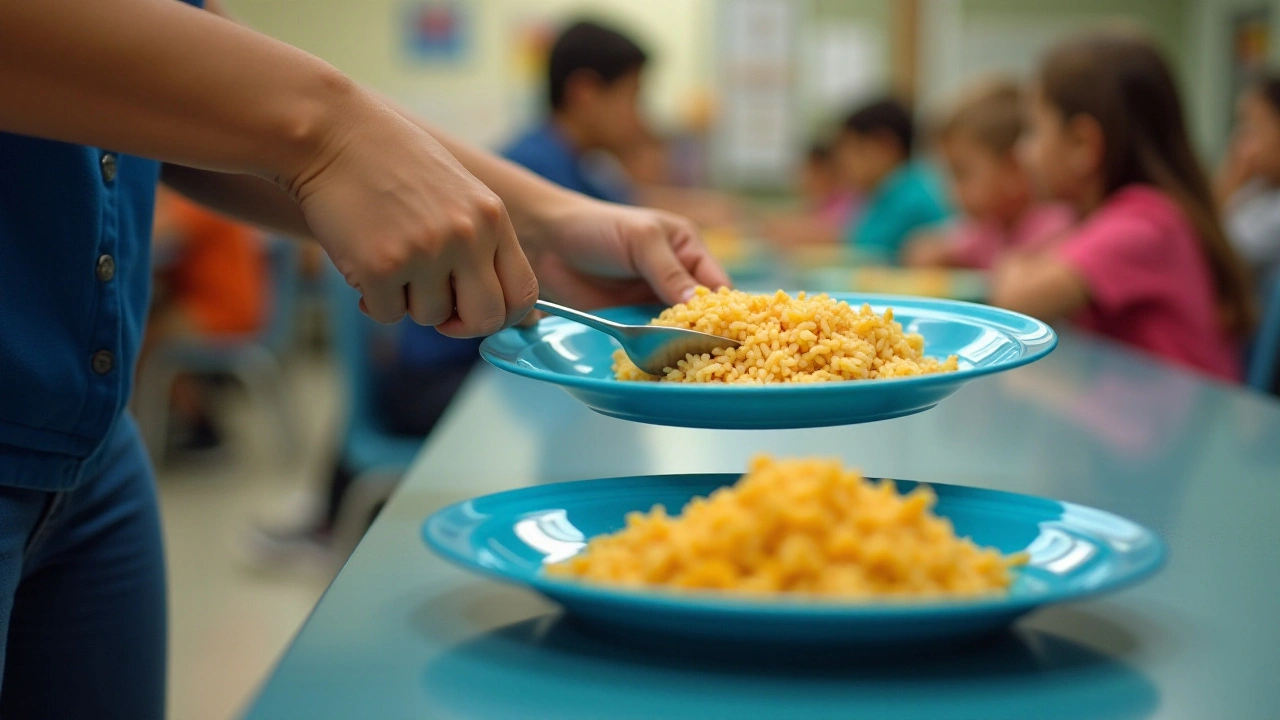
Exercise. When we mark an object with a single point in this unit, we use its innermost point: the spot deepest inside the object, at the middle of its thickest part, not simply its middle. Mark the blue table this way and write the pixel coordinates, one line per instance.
(400, 634)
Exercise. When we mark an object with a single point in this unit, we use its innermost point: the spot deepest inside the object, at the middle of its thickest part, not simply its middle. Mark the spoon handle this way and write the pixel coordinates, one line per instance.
(590, 321)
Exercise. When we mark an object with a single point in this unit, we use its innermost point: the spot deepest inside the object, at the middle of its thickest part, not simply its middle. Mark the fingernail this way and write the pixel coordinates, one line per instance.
(687, 295)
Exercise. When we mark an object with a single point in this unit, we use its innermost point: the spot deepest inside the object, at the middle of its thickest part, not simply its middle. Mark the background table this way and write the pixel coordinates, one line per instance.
(400, 634)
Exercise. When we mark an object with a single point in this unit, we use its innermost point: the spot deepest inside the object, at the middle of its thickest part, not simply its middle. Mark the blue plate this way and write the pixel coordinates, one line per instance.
(1074, 551)
(987, 340)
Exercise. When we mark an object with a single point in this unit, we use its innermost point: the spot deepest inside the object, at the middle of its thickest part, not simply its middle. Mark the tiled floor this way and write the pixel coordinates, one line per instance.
(230, 618)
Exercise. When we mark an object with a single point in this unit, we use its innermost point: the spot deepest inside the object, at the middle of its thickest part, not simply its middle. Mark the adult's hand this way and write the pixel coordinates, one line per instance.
(593, 254)
(411, 229)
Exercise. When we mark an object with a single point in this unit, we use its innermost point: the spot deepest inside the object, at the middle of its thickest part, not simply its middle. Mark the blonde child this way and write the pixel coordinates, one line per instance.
(977, 140)
(1149, 265)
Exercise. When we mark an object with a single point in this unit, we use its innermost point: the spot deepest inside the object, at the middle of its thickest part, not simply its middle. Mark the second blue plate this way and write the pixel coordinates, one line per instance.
(1074, 552)
(985, 339)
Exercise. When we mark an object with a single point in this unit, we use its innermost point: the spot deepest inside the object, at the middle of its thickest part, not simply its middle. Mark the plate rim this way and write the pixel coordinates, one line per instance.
(711, 603)
(960, 376)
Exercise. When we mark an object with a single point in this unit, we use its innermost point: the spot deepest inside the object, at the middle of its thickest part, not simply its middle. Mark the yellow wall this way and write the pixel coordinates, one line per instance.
(482, 97)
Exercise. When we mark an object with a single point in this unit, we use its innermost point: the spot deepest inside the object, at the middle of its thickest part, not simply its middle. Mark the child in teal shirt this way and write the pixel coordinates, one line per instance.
(873, 154)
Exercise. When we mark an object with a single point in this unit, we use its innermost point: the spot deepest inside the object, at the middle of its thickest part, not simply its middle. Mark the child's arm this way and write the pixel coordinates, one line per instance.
(929, 248)
(800, 229)
(1039, 284)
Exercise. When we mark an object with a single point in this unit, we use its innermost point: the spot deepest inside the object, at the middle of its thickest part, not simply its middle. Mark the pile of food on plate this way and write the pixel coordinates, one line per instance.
(798, 526)
(789, 339)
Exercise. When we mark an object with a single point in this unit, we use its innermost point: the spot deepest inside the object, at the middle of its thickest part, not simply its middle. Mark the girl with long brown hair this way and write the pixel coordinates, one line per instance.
(1149, 263)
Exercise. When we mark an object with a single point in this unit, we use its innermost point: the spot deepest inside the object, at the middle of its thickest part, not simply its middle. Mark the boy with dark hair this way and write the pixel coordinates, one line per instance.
(593, 85)
(874, 156)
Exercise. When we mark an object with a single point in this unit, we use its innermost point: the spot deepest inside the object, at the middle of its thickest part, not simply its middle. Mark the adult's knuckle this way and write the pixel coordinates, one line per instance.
(463, 228)
(388, 261)
(490, 208)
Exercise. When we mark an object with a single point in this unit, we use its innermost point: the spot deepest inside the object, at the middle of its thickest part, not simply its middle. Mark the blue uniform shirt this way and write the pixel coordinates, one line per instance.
(424, 347)
(75, 244)
(911, 198)
(547, 153)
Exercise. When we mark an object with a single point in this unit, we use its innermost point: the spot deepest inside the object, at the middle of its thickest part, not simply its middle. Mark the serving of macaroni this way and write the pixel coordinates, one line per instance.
(797, 526)
(787, 339)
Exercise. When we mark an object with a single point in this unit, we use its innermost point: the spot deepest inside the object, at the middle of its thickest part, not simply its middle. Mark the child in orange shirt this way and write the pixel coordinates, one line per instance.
(978, 140)
(212, 282)
(215, 273)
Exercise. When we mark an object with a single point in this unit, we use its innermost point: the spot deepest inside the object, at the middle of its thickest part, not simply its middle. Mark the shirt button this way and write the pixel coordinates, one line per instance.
(109, 167)
(106, 268)
(103, 361)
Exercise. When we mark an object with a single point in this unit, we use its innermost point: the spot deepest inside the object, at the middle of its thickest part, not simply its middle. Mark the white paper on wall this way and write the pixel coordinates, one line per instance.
(846, 62)
(757, 59)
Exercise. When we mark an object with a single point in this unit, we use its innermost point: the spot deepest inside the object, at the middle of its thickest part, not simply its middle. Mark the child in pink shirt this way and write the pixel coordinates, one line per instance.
(977, 139)
(1150, 264)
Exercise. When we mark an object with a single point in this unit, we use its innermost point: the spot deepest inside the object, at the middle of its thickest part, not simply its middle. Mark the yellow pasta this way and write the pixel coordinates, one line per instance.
(797, 526)
(789, 340)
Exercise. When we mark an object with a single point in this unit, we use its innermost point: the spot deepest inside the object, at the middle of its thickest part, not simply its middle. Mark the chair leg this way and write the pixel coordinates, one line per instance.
(263, 376)
(281, 400)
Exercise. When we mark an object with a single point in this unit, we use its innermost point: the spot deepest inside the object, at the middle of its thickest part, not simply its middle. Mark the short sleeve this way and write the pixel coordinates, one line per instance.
(1123, 259)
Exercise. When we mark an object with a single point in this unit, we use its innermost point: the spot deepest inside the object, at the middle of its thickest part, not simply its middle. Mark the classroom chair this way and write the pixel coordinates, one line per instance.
(253, 360)
(376, 458)
(1263, 362)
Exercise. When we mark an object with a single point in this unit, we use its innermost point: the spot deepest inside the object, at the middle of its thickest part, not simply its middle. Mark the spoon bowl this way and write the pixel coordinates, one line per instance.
(653, 348)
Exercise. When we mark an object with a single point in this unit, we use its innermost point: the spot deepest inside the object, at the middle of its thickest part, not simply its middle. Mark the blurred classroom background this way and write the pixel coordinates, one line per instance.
(280, 419)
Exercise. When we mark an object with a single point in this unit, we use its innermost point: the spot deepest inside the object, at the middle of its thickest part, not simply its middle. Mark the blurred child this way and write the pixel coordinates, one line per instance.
(214, 270)
(1150, 264)
(648, 175)
(977, 140)
(1249, 187)
(874, 157)
(595, 75)
(829, 206)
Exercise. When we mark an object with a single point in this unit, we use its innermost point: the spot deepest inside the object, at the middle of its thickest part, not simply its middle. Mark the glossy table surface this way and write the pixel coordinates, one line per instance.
(401, 634)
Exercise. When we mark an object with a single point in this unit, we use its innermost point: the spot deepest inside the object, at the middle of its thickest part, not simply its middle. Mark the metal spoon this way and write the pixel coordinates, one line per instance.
(652, 348)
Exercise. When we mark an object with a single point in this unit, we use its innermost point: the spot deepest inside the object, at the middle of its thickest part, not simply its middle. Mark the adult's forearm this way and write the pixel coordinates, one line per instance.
(161, 79)
(531, 201)
(244, 197)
